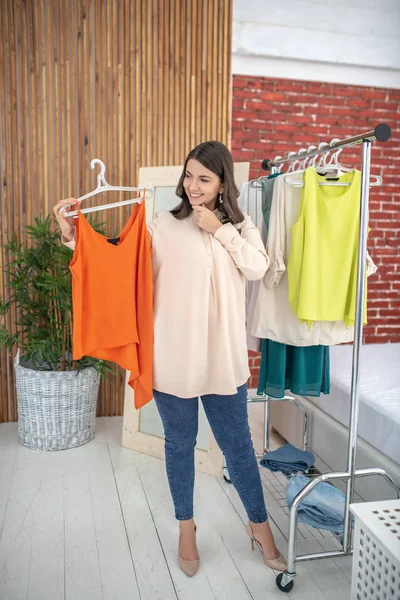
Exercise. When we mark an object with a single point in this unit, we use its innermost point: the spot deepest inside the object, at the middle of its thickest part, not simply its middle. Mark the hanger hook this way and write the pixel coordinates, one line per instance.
(310, 158)
(292, 164)
(100, 177)
(334, 160)
(324, 155)
(302, 162)
(278, 168)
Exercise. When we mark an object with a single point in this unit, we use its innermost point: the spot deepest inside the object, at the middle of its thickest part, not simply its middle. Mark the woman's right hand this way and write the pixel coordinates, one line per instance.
(66, 224)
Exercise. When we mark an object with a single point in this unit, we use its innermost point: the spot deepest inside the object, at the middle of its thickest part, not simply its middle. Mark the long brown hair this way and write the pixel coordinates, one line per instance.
(215, 157)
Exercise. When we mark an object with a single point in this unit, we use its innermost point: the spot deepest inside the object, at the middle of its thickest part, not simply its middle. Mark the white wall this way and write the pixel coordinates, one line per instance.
(342, 41)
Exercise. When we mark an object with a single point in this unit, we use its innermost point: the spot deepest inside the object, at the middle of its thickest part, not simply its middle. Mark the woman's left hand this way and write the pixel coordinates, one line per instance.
(206, 219)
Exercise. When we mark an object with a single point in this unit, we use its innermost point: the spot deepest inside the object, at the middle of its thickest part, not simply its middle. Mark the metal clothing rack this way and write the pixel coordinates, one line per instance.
(285, 580)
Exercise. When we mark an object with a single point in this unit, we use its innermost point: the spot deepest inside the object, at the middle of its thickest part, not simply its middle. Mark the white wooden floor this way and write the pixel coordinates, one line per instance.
(96, 523)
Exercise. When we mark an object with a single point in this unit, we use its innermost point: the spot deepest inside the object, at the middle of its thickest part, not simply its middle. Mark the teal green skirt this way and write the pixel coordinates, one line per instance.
(304, 371)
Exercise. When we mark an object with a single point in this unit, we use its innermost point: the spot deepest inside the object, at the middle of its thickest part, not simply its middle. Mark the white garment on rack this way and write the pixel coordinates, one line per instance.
(273, 318)
(250, 203)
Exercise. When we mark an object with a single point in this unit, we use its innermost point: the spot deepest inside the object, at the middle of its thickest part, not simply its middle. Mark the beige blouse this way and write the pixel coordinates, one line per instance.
(199, 303)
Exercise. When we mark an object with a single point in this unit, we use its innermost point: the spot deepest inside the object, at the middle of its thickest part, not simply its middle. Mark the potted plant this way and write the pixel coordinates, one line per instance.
(57, 396)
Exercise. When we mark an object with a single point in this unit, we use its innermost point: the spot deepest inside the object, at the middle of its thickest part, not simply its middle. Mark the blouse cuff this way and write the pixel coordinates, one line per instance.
(275, 272)
(226, 234)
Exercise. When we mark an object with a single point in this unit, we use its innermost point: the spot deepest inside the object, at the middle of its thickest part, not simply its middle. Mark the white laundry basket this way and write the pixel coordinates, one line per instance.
(56, 409)
(376, 559)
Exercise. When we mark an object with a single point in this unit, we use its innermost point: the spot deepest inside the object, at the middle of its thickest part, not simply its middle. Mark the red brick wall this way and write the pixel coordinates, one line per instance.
(275, 116)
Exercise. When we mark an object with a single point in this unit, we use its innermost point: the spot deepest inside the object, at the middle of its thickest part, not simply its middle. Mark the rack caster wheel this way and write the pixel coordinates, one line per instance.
(284, 582)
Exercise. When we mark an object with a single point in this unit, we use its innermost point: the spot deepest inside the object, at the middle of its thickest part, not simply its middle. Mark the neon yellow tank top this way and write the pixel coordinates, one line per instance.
(322, 266)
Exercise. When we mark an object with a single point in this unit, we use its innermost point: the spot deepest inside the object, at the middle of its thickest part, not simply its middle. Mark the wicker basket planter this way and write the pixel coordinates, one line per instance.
(56, 409)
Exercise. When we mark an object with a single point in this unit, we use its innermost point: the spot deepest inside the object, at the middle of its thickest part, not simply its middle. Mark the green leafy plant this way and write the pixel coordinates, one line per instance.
(40, 301)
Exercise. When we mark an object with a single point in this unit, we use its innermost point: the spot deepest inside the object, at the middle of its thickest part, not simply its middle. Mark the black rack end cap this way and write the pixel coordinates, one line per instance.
(265, 163)
(383, 132)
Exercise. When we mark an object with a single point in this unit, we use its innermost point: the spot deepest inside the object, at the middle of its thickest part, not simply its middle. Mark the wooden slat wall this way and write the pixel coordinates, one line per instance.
(132, 82)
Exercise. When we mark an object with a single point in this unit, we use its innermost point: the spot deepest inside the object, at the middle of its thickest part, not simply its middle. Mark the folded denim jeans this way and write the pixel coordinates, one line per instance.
(322, 508)
(288, 459)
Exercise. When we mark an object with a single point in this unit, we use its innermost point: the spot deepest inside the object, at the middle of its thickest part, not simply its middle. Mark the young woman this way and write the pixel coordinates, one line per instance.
(203, 251)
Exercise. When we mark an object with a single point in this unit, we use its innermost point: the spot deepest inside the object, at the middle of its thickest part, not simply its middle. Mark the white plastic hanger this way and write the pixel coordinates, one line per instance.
(299, 166)
(322, 157)
(332, 166)
(103, 186)
(334, 163)
(296, 164)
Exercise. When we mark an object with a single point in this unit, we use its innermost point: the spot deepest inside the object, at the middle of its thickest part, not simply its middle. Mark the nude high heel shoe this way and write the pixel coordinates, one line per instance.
(279, 563)
(190, 567)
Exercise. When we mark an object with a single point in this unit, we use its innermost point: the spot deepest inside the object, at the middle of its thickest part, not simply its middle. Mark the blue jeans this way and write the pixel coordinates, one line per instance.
(227, 416)
(323, 507)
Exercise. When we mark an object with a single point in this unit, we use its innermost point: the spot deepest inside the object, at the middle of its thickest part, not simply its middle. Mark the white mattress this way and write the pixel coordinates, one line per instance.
(379, 417)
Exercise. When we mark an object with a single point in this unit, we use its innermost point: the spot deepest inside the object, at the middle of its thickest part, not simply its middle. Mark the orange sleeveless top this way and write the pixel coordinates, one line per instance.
(112, 300)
